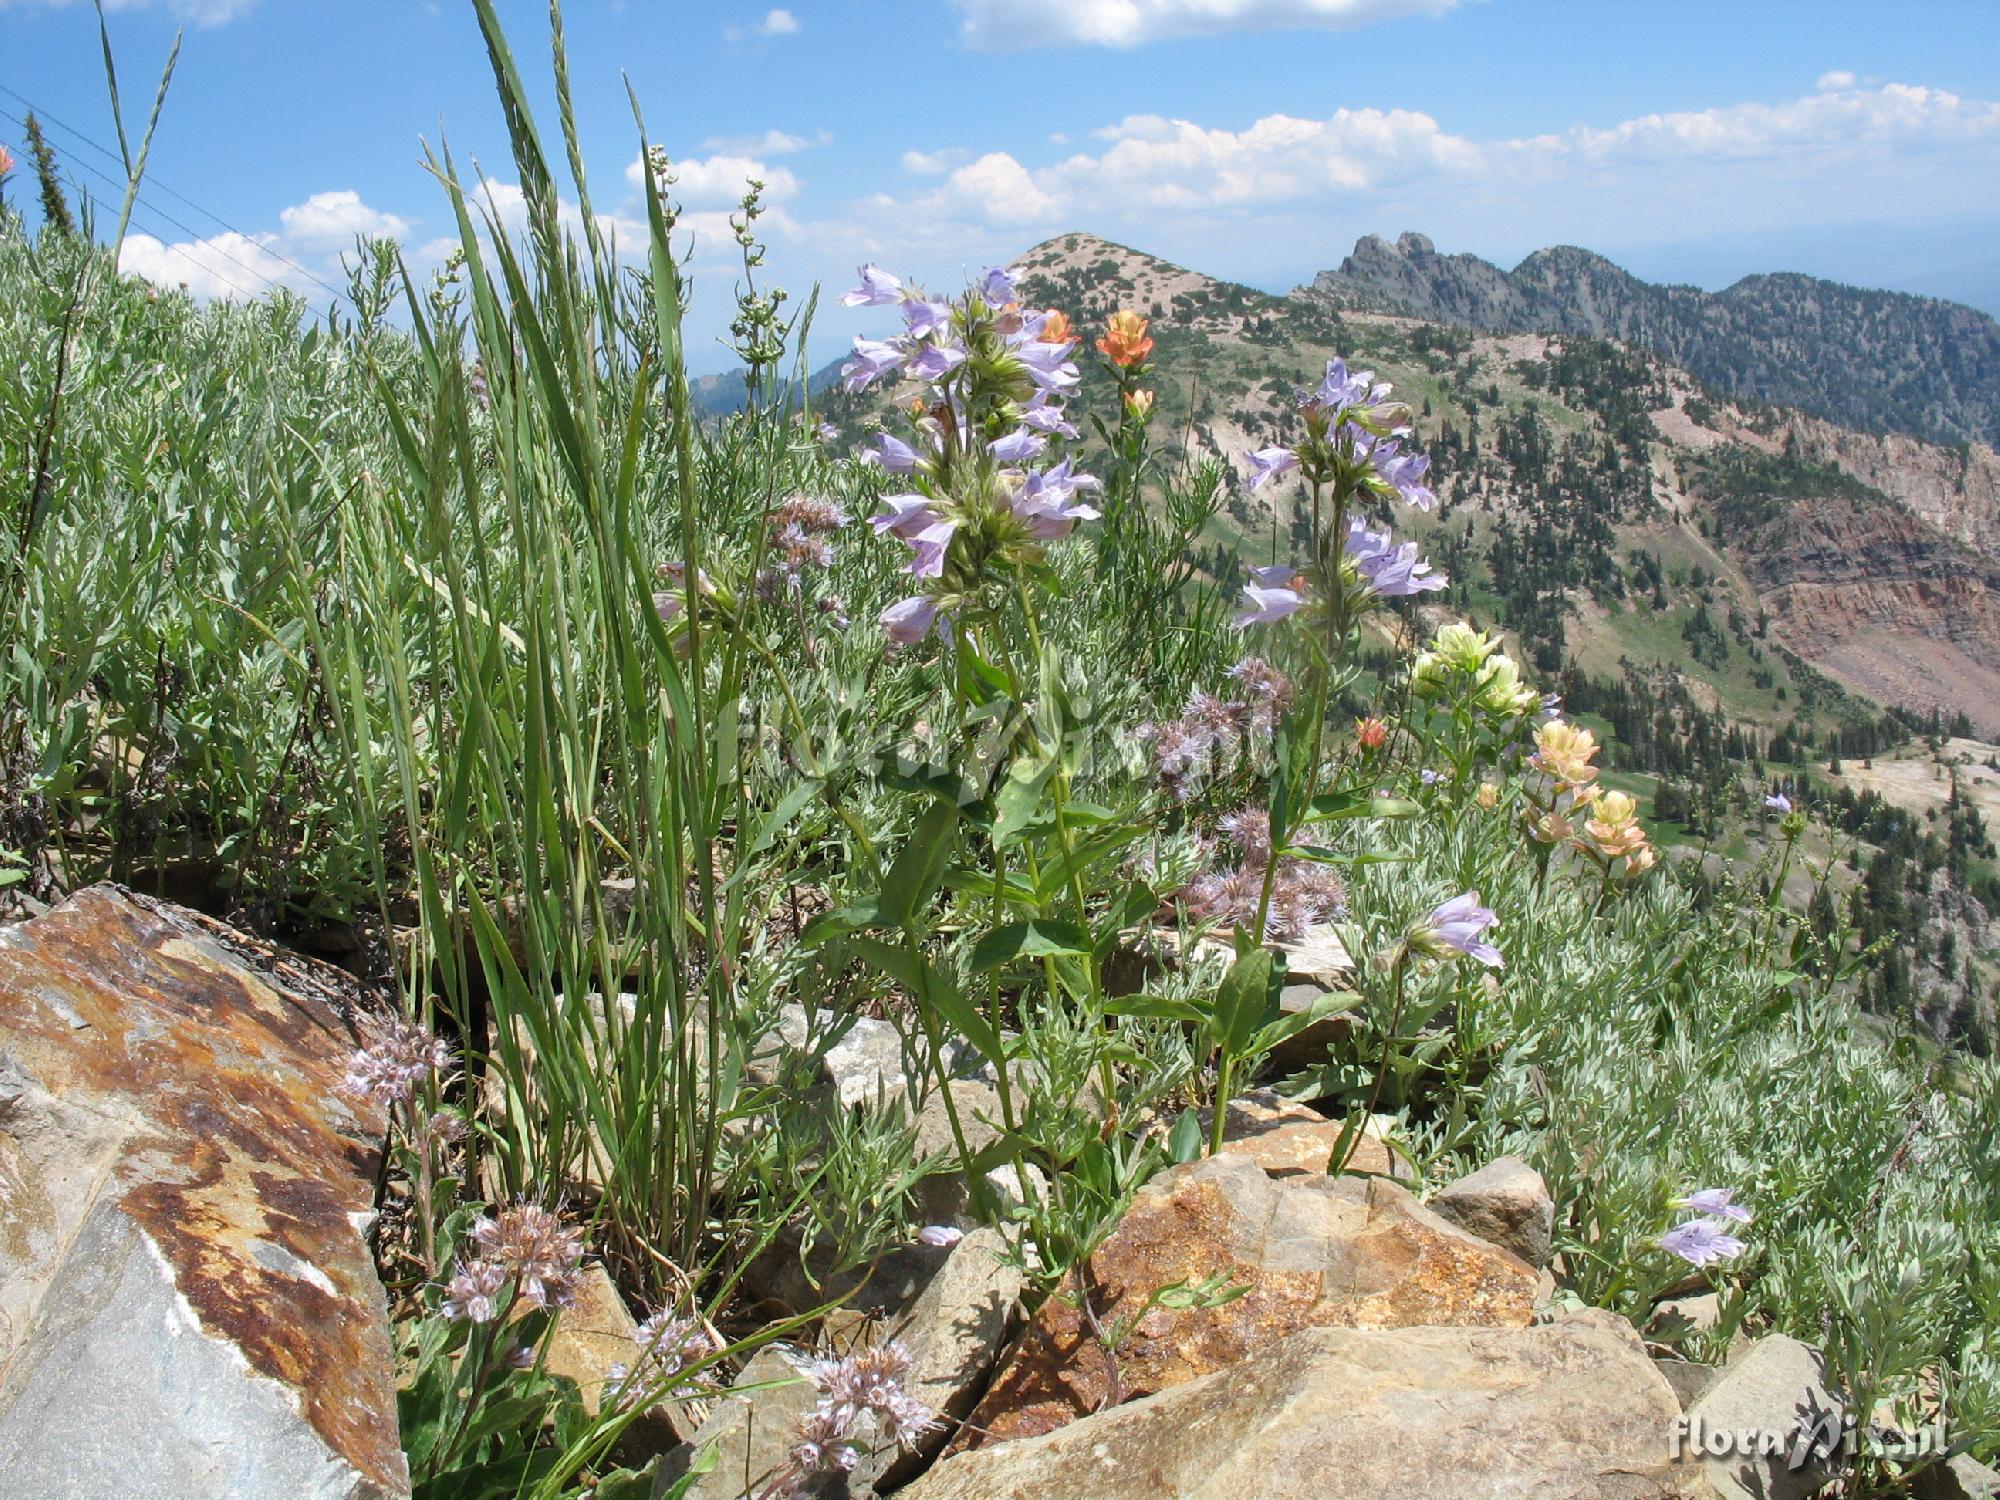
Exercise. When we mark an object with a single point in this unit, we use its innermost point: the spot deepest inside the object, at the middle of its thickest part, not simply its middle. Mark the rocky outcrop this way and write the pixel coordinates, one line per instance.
(1306, 1251)
(1884, 601)
(1568, 1411)
(187, 1300)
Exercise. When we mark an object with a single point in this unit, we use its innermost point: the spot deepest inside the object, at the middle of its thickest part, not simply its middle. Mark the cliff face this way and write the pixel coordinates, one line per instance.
(1878, 361)
(1954, 489)
(1885, 601)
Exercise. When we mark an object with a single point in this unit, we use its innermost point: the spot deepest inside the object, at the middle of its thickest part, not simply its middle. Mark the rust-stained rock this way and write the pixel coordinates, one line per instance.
(1570, 1411)
(1289, 1139)
(1344, 1252)
(188, 1307)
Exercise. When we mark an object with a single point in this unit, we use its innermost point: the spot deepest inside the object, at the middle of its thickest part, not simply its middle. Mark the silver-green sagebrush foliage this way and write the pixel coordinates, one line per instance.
(617, 736)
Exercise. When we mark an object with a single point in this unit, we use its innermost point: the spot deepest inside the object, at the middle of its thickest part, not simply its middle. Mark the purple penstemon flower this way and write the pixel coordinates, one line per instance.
(1018, 446)
(1392, 572)
(910, 620)
(877, 289)
(891, 454)
(940, 1236)
(1717, 1202)
(996, 285)
(1050, 512)
(905, 516)
(1457, 925)
(1277, 576)
(1263, 605)
(1404, 473)
(1701, 1242)
(1778, 802)
(1049, 366)
(872, 360)
(1267, 464)
(922, 317)
(936, 361)
(1047, 419)
(929, 547)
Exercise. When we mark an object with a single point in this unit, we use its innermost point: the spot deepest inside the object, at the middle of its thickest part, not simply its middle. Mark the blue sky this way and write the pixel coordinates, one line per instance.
(1253, 139)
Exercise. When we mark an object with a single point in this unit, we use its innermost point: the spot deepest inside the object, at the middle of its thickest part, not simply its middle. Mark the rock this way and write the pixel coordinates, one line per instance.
(1506, 1202)
(1572, 1411)
(954, 1334)
(1678, 1318)
(187, 1301)
(1959, 1478)
(751, 1432)
(1304, 1049)
(591, 1337)
(1774, 1386)
(1689, 1380)
(1311, 1251)
(1289, 1139)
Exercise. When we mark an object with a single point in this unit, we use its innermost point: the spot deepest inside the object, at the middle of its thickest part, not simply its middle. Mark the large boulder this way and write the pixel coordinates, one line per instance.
(1308, 1251)
(188, 1306)
(1568, 1411)
(1506, 1202)
(1764, 1427)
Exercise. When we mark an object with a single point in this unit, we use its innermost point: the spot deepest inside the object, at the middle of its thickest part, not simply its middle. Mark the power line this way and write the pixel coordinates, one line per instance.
(196, 234)
(205, 245)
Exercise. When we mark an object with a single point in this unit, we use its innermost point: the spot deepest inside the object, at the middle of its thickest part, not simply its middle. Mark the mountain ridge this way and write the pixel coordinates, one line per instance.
(1870, 360)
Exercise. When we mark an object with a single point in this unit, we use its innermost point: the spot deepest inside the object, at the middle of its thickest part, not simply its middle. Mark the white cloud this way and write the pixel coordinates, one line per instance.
(770, 143)
(776, 23)
(303, 253)
(998, 25)
(1150, 165)
(226, 265)
(934, 163)
(718, 182)
(1839, 78)
(329, 222)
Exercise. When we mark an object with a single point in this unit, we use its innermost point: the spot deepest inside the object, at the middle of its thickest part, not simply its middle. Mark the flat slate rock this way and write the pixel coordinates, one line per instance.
(188, 1307)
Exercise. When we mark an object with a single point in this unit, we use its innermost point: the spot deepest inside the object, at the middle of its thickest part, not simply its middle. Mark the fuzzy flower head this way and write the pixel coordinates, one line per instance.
(1370, 735)
(1701, 1242)
(666, 1346)
(403, 1056)
(533, 1246)
(473, 1293)
(6, 161)
(1456, 928)
(1266, 691)
(1124, 342)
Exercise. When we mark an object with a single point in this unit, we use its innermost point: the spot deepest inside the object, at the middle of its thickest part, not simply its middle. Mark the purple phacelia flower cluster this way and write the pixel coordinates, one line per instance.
(1304, 893)
(401, 1058)
(860, 1395)
(667, 1347)
(981, 481)
(1189, 749)
(525, 1245)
